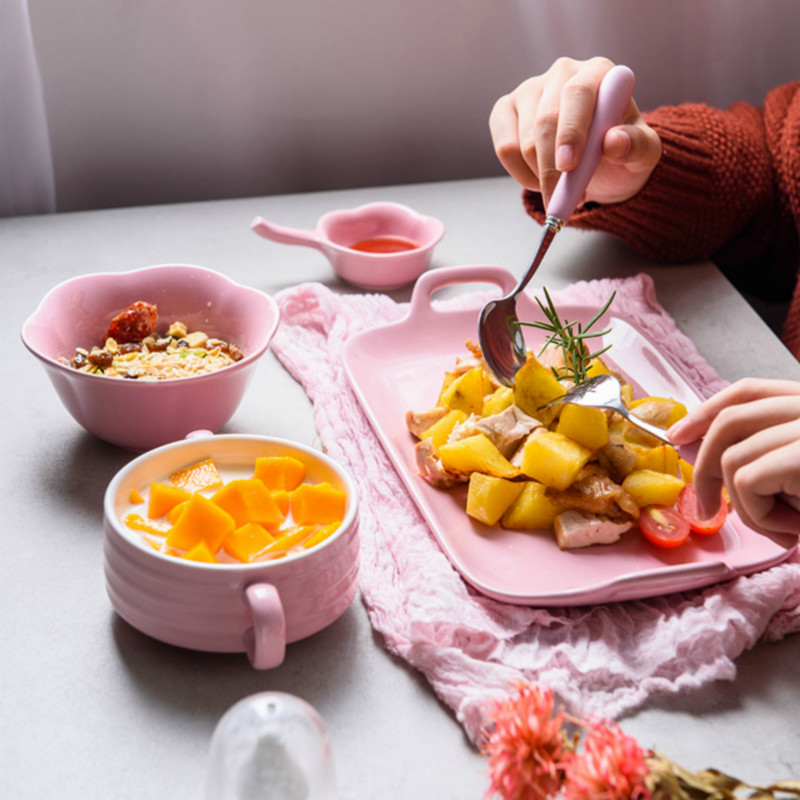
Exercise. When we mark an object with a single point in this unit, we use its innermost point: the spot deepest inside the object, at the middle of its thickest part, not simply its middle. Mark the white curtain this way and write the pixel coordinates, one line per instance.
(26, 166)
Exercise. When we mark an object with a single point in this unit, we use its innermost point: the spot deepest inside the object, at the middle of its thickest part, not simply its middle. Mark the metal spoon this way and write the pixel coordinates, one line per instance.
(605, 391)
(499, 331)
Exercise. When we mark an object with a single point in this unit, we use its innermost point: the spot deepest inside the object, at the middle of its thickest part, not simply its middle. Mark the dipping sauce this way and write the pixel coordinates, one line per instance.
(384, 244)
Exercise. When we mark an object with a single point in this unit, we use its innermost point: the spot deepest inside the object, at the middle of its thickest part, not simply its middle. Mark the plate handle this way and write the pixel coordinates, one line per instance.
(435, 279)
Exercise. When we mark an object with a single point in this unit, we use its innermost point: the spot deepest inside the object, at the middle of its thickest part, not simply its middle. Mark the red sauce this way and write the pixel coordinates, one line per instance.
(384, 244)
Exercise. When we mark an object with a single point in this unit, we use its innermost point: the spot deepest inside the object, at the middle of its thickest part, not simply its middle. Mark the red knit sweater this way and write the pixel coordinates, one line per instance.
(727, 188)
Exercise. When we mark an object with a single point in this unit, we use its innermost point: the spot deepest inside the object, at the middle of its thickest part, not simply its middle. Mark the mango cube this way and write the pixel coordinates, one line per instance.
(163, 497)
(280, 472)
(197, 477)
(489, 497)
(318, 504)
(202, 520)
(248, 500)
(200, 552)
(649, 487)
(476, 454)
(283, 500)
(532, 510)
(553, 459)
(587, 426)
(247, 542)
(321, 534)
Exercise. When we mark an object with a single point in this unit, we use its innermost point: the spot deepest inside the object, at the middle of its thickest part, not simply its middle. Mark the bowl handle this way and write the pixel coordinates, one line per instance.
(435, 279)
(265, 642)
(286, 235)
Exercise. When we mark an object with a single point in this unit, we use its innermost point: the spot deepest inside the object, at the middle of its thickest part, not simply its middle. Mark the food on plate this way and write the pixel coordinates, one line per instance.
(384, 244)
(133, 349)
(586, 474)
(258, 514)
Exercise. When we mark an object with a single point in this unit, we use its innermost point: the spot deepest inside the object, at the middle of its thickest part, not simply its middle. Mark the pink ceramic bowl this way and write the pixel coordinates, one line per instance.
(227, 608)
(139, 415)
(337, 231)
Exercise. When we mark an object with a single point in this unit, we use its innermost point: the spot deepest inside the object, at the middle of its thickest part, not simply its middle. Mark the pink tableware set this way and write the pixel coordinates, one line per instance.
(256, 608)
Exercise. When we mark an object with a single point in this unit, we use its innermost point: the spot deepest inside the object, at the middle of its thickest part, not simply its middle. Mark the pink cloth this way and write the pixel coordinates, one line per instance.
(605, 659)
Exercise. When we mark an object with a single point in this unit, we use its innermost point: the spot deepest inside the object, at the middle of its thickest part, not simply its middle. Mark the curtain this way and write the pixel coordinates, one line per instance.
(26, 166)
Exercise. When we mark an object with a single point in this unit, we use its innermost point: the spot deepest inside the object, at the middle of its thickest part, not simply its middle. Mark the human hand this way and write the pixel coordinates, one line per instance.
(539, 131)
(751, 444)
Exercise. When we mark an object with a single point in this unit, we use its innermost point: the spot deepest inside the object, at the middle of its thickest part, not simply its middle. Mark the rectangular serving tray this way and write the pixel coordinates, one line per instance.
(400, 367)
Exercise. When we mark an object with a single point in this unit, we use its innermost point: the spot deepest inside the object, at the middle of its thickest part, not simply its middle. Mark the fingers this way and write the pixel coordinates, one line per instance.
(759, 471)
(504, 125)
(540, 129)
(751, 444)
(695, 424)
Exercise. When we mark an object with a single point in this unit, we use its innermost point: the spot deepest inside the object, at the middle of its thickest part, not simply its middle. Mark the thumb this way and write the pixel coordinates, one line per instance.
(636, 146)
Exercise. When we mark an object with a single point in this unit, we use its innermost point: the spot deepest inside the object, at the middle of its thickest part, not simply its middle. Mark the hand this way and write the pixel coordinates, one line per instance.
(539, 131)
(751, 444)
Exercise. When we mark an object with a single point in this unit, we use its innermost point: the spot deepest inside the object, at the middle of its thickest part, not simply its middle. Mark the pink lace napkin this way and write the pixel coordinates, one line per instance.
(604, 659)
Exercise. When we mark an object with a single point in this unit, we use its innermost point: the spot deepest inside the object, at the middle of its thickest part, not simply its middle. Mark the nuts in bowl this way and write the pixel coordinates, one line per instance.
(145, 357)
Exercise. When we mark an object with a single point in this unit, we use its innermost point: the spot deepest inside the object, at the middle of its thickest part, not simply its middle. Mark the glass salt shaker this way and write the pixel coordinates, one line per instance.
(270, 746)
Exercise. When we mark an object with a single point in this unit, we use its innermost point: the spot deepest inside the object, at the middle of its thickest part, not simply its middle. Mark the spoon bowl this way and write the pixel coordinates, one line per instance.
(605, 391)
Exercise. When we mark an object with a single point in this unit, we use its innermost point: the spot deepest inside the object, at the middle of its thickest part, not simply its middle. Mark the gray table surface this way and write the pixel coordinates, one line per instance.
(91, 708)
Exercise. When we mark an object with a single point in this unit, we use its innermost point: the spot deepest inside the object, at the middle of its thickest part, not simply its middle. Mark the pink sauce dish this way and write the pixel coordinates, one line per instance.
(255, 606)
(378, 246)
(139, 414)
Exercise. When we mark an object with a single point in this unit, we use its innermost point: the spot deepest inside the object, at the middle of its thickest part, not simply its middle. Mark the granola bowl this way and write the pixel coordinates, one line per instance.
(140, 414)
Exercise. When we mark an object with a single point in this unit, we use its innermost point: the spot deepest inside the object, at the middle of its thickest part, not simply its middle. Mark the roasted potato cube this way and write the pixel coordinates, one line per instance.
(671, 409)
(476, 454)
(649, 487)
(466, 392)
(440, 431)
(531, 510)
(587, 426)
(498, 401)
(489, 497)
(553, 459)
(663, 458)
(534, 386)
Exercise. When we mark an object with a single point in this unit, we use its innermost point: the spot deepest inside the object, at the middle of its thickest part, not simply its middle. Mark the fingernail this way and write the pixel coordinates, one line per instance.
(701, 512)
(565, 155)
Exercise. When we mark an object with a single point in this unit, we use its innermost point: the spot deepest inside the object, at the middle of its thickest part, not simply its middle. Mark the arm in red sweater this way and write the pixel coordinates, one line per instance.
(716, 191)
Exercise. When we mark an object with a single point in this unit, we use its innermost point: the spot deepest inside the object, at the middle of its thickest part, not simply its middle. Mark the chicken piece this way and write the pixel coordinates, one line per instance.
(594, 492)
(656, 412)
(135, 323)
(418, 422)
(617, 458)
(505, 430)
(431, 469)
(580, 529)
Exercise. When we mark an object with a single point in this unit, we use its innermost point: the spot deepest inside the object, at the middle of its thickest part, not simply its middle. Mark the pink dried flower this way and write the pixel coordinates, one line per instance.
(526, 746)
(611, 767)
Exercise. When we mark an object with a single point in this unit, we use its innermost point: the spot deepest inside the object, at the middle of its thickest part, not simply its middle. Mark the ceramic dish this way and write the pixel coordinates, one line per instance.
(337, 231)
(138, 415)
(257, 608)
(400, 367)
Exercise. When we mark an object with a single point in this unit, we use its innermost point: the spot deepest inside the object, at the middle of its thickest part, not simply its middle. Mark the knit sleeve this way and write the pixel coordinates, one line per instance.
(713, 187)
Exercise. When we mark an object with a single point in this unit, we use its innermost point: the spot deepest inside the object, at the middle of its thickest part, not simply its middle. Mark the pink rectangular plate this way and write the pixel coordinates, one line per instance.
(400, 367)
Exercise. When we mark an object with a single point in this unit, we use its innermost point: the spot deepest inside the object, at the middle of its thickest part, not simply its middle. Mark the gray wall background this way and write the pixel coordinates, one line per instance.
(155, 101)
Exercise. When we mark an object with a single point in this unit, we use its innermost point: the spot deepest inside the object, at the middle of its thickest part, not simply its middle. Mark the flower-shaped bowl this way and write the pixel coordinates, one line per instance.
(138, 415)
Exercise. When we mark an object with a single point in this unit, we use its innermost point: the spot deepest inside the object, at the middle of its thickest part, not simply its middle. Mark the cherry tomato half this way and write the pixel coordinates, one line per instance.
(703, 526)
(663, 526)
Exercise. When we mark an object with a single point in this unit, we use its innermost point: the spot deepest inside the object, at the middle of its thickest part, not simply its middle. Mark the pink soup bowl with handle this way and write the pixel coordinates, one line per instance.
(337, 231)
(138, 415)
(256, 608)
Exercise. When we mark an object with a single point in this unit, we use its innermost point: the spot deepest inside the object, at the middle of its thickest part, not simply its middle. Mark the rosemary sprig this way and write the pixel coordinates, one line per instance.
(570, 337)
